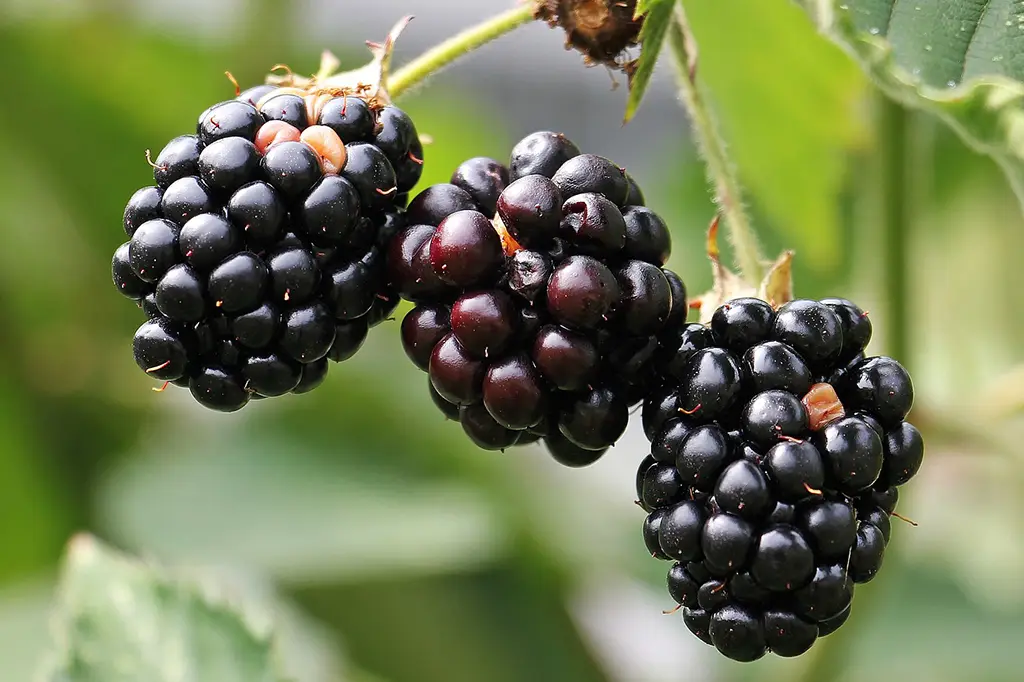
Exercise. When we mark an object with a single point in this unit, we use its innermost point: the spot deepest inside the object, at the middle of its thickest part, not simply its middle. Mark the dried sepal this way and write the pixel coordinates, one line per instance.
(368, 82)
(776, 288)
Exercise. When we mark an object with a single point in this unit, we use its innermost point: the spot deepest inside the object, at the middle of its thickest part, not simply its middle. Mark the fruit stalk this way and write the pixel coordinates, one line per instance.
(463, 43)
(721, 171)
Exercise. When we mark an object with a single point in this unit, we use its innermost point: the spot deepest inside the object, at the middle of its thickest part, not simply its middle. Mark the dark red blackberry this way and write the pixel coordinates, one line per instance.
(142, 207)
(227, 164)
(588, 173)
(727, 542)
(553, 327)
(779, 445)
(530, 209)
(218, 389)
(582, 293)
(742, 489)
(271, 375)
(264, 238)
(437, 202)
(788, 635)
(349, 337)
(904, 452)
(484, 430)
(738, 633)
(180, 295)
(647, 236)
(350, 117)
(567, 453)
(163, 350)
(127, 282)
(742, 323)
(465, 250)
(594, 223)
(187, 198)
(288, 108)
(681, 586)
(541, 153)
(484, 180)
(679, 535)
(178, 159)
(867, 554)
(702, 455)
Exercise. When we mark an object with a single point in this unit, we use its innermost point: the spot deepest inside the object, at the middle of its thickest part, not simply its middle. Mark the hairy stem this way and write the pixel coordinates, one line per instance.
(447, 52)
(721, 172)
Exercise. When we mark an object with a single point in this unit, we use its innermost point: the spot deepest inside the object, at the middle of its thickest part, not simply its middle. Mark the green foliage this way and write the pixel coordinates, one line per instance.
(397, 546)
(123, 621)
(657, 15)
(958, 59)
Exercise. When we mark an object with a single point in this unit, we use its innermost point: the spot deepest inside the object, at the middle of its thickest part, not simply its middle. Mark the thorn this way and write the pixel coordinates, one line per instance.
(382, 297)
(865, 313)
(813, 491)
(287, 294)
(718, 589)
(415, 159)
(913, 523)
(159, 367)
(385, 193)
(163, 387)
(218, 304)
(791, 439)
(238, 90)
(637, 503)
(215, 122)
(671, 611)
(694, 305)
(188, 254)
(688, 412)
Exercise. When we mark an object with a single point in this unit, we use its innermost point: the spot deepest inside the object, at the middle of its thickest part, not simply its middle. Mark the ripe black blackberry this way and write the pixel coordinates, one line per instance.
(539, 291)
(258, 252)
(776, 452)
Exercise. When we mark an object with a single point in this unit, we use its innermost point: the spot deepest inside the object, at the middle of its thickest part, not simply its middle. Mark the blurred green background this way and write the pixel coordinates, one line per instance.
(400, 552)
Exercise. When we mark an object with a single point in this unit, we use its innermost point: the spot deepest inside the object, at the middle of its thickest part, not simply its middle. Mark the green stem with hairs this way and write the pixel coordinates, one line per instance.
(447, 52)
(721, 171)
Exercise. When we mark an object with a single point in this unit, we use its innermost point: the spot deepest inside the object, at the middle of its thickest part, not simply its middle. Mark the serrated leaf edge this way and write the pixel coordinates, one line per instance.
(1000, 97)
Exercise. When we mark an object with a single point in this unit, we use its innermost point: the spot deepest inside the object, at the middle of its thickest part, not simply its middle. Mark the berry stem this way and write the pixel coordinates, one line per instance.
(435, 59)
(721, 171)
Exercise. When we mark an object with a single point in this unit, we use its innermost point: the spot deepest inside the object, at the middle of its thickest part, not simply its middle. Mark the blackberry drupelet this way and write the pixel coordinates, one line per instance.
(258, 253)
(776, 452)
(540, 295)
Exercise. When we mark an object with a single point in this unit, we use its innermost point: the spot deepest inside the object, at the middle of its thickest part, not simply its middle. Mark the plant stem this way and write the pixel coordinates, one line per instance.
(895, 189)
(721, 172)
(447, 52)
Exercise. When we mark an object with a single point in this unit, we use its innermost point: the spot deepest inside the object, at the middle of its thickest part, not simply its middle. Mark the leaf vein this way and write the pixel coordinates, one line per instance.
(973, 37)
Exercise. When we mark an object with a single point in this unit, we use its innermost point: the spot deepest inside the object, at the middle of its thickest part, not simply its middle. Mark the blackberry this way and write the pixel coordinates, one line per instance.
(777, 452)
(540, 297)
(258, 253)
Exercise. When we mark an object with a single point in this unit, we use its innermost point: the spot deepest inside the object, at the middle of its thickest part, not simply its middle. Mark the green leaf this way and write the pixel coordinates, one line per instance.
(962, 60)
(652, 37)
(120, 620)
(788, 103)
(235, 497)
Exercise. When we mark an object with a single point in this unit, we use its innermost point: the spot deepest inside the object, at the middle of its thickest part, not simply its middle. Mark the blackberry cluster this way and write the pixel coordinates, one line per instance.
(540, 296)
(777, 452)
(258, 255)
